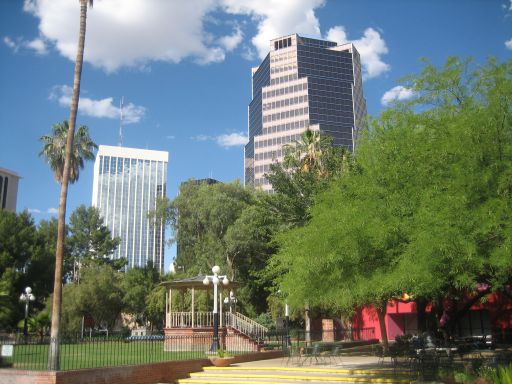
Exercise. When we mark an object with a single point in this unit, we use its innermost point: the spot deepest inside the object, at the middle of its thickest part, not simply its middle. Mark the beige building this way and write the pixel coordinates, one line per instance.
(8, 189)
(302, 83)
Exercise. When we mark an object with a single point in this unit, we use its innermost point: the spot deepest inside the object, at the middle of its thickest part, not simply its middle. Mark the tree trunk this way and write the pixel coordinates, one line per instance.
(53, 352)
(421, 306)
(381, 314)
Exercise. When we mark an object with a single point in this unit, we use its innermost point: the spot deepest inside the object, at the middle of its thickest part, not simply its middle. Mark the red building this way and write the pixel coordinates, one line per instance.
(491, 316)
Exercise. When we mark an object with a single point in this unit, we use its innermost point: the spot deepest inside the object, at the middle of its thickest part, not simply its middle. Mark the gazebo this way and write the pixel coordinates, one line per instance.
(197, 327)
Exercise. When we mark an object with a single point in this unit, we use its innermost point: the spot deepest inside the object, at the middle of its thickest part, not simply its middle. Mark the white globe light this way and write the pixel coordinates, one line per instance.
(216, 270)
(225, 280)
(206, 281)
(215, 280)
(28, 290)
(226, 300)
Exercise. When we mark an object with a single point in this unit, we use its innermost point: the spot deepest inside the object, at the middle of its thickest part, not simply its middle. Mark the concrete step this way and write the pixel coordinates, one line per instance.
(280, 375)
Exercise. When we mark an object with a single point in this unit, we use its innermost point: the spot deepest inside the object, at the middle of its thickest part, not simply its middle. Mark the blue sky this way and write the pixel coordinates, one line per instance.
(184, 69)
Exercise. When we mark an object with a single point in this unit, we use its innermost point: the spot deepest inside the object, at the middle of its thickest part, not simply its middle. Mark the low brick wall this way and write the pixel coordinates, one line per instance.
(166, 372)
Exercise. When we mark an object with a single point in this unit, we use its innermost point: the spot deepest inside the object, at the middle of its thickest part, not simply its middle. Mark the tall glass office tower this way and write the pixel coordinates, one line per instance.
(302, 83)
(127, 182)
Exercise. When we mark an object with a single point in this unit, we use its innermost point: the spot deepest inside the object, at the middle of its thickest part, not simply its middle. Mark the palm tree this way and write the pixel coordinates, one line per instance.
(306, 153)
(55, 147)
(53, 351)
(314, 153)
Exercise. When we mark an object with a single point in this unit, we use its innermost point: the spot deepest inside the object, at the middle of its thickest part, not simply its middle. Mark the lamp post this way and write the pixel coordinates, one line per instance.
(286, 320)
(231, 300)
(215, 279)
(27, 297)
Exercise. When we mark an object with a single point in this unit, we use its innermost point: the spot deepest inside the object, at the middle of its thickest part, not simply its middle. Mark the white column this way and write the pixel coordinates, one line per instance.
(220, 301)
(193, 310)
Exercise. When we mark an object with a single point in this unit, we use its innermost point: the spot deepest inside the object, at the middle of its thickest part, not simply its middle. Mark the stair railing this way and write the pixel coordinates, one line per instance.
(247, 326)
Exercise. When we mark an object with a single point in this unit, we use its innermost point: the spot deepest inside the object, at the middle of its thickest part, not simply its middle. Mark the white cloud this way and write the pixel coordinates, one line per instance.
(34, 210)
(136, 33)
(52, 211)
(371, 47)
(132, 33)
(277, 18)
(337, 34)
(103, 108)
(225, 140)
(231, 42)
(170, 137)
(38, 45)
(11, 43)
(232, 139)
(201, 138)
(508, 44)
(398, 93)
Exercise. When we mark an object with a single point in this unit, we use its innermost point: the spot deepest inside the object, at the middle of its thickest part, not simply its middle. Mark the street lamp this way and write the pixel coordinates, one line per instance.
(215, 279)
(231, 300)
(27, 297)
(286, 320)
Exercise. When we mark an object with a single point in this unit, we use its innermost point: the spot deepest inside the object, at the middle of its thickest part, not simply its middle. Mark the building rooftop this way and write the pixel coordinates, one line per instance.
(135, 153)
(10, 173)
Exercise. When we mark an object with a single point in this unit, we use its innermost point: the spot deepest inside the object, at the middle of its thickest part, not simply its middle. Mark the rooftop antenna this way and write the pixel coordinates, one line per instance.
(121, 122)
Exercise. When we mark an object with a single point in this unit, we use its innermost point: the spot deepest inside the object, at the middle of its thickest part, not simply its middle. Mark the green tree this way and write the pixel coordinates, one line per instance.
(201, 215)
(223, 224)
(138, 284)
(426, 209)
(89, 240)
(54, 150)
(98, 296)
(40, 268)
(155, 306)
(18, 246)
(53, 352)
(309, 165)
(38, 323)
(249, 245)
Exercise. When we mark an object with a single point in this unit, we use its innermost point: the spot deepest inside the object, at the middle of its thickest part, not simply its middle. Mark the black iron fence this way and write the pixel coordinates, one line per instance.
(116, 350)
(95, 351)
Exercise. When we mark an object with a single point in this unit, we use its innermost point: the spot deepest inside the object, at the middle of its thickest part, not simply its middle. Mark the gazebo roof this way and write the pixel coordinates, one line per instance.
(196, 283)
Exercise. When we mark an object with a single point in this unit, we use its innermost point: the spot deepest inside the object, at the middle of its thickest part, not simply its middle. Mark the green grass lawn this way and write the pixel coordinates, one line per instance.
(98, 354)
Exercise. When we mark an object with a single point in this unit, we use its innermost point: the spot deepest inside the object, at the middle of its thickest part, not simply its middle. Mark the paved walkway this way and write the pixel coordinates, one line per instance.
(361, 362)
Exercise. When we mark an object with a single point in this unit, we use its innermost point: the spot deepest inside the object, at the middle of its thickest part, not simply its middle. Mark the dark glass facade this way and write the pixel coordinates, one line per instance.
(302, 83)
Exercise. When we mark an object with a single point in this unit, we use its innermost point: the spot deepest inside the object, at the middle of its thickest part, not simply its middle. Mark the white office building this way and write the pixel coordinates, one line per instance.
(127, 182)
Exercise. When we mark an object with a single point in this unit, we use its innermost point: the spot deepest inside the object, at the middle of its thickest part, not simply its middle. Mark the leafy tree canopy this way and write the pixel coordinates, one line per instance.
(426, 208)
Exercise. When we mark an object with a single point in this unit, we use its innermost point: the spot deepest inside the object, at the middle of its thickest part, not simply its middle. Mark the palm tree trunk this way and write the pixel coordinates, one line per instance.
(53, 352)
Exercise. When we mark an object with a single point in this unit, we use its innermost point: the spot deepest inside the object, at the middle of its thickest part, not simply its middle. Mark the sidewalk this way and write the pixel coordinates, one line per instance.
(361, 362)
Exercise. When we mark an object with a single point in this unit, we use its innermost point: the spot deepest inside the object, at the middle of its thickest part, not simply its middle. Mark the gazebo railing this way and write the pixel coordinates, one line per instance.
(184, 319)
(241, 323)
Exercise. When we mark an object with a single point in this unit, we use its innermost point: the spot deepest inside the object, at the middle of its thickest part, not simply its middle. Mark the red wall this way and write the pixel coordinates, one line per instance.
(498, 306)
